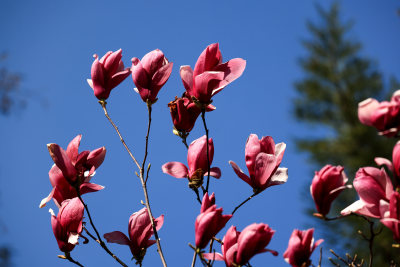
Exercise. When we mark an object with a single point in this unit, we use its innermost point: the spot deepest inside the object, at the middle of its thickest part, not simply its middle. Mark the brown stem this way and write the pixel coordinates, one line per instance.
(203, 116)
(99, 240)
(196, 190)
(371, 243)
(320, 257)
(141, 170)
(147, 202)
(184, 142)
(103, 103)
(241, 204)
(68, 257)
(194, 259)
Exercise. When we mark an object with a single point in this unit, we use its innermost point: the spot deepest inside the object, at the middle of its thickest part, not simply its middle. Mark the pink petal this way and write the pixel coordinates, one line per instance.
(279, 177)
(96, 157)
(240, 173)
(159, 222)
(47, 199)
(140, 77)
(365, 110)
(72, 149)
(175, 169)
(213, 256)
(264, 168)
(153, 61)
(208, 59)
(214, 172)
(62, 161)
(89, 187)
(252, 149)
(162, 75)
(117, 237)
(186, 73)
(205, 83)
(358, 207)
(232, 69)
(384, 162)
(118, 78)
(111, 63)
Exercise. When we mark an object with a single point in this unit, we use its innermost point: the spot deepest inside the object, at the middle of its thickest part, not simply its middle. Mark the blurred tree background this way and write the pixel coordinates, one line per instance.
(336, 78)
(10, 101)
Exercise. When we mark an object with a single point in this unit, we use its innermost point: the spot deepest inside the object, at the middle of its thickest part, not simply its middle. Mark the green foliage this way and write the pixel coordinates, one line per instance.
(336, 79)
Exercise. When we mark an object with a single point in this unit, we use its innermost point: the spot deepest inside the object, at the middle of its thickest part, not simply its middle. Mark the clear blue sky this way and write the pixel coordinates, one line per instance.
(52, 43)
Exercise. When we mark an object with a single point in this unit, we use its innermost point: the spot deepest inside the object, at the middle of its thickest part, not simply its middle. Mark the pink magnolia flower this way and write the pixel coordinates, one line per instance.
(184, 113)
(67, 226)
(150, 74)
(107, 73)
(210, 76)
(72, 169)
(239, 247)
(394, 165)
(372, 186)
(263, 158)
(390, 214)
(197, 162)
(140, 231)
(301, 246)
(209, 222)
(326, 186)
(384, 116)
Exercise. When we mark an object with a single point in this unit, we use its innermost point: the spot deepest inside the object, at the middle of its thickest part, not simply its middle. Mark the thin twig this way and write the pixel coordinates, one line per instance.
(68, 257)
(103, 104)
(184, 140)
(141, 176)
(90, 234)
(147, 202)
(320, 257)
(194, 258)
(241, 204)
(147, 173)
(203, 116)
(196, 191)
(99, 240)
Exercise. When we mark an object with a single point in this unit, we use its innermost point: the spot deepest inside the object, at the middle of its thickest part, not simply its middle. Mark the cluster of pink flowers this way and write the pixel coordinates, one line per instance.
(71, 174)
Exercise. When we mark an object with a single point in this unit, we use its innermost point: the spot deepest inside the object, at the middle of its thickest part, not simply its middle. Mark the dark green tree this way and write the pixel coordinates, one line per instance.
(336, 78)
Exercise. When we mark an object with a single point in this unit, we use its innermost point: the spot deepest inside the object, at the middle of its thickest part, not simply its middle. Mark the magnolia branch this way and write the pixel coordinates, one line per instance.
(69, 258)
(143, 180)
(147, 202)
(203, 116)
(103, 104)
(99, 240)
(244, 202)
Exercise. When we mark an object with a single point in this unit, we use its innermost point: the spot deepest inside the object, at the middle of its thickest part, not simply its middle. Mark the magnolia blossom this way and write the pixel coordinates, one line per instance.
(197, 162)
(390, 214)
(150, 74)
(384, 116)
(326, 186)
(107, 73)
(184, 113)
(239, 247)
(263, 158)
(67, 225)
(72, 169)
(209, 222)
(140, 231)
(210, 75)
(372, 186)
(301, 246)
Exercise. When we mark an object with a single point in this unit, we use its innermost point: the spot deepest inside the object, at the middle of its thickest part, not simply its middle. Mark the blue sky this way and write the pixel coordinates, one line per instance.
(52, 43)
